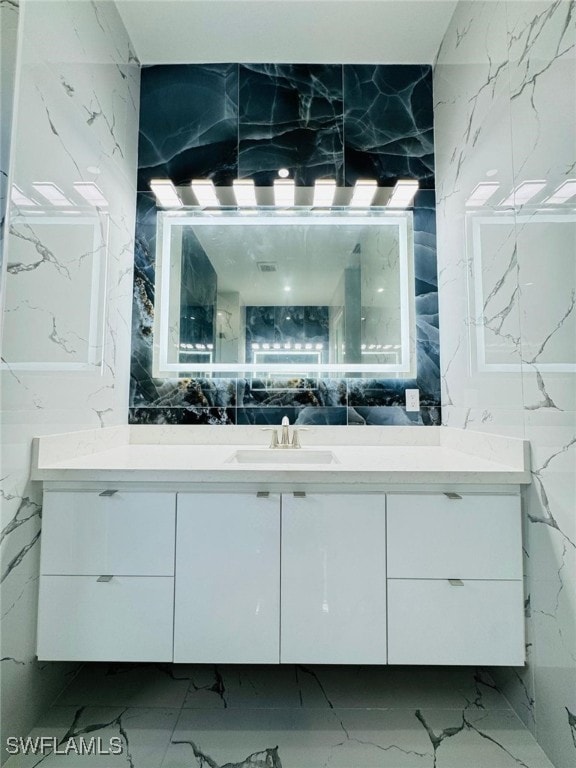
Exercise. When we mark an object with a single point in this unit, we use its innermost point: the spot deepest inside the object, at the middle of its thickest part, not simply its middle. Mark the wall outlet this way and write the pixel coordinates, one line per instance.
(412, 399)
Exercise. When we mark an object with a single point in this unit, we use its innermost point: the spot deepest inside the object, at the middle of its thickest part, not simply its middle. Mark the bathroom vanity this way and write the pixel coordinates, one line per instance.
(160, 544)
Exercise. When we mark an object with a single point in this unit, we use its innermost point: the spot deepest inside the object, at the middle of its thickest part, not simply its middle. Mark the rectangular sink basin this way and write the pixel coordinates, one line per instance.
(282, 456)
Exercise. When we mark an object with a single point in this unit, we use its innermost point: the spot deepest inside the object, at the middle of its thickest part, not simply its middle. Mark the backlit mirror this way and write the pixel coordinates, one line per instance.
(282, 292)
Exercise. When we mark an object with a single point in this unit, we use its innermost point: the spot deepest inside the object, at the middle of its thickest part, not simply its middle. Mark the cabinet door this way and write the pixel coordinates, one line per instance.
(227, 578)
(127, 618)
(431, 536)
(333, 579)
(126, 534)
(435, 622)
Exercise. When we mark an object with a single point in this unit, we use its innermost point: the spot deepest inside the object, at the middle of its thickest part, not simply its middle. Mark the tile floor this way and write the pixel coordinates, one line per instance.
(171, 716)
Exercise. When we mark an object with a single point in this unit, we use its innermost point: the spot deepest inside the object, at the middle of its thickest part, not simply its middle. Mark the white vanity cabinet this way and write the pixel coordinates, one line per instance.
(227, 605)
(333, 583)
(455, 591)
(239, 557)
(235, 577)
(107, 576)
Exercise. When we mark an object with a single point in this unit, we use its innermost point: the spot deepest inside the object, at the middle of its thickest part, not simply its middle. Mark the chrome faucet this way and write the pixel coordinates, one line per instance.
(285, 437)
(285, 441)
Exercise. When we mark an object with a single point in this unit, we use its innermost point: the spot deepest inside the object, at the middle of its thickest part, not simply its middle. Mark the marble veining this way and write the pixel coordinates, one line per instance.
(504, 94)
(167, 716)
(317, 121)
(75, 121)
(291, 116)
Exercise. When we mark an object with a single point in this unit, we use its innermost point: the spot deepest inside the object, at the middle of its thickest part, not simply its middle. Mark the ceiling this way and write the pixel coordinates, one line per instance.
(286, 31)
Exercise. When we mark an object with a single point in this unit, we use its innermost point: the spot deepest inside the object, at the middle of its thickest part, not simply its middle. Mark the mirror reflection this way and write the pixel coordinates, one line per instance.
(281, 293)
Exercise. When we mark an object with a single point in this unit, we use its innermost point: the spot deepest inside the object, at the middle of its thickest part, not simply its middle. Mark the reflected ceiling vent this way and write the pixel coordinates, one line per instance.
(266, 266)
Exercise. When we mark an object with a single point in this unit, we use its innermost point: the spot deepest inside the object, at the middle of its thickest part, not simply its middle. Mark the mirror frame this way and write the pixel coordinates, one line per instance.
(166, 220)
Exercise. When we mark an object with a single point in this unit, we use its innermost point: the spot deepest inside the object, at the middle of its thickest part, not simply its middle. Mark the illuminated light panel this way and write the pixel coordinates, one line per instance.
(482, 192)
(91, 193)
(245, 192)
(205, 193)
(284, 193)
(324, 191)
(52, 193)
(364, 191)
(562, 194)
(165, 193)
(19, 198)
(403, 194)
(524, 192)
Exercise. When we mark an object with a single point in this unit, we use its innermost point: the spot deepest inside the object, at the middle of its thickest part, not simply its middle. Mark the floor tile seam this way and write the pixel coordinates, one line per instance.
(411, 709)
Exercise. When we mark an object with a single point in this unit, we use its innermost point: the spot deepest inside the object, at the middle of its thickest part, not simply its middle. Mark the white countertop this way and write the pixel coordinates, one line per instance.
(372, 456)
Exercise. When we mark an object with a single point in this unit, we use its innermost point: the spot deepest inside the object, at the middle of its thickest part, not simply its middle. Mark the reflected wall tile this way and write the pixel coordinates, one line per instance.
(273, 415)
(290, 117)
(377, 392)
(188, 123)
(296, 392)
(182, 393)
(388, 123)
(394, 415)
(182, 415)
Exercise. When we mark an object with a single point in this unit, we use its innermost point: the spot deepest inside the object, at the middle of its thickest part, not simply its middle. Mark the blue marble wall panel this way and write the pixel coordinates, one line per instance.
(291, 116)
(388, 123)
(231, 120)
(188, 123)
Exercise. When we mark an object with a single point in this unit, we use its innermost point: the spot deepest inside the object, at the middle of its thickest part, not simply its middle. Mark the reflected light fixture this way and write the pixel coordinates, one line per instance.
(205, 193)
(165, 193)
(524, 192)
(562, 194)
(324, 191)
(482, 192)
(403, 193)
(52, 193)
(19, 198)
(245, 192)
(364, 191)
(284, 193)
(91, 193)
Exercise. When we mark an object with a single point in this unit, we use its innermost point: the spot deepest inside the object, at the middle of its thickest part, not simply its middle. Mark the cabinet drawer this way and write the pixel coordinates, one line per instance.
(433, 622)
(474, 537)
(127, 534)
(124, 619)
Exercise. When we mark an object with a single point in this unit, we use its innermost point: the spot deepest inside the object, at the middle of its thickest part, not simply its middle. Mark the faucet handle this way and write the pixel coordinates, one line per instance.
(274, 436)
(296, 438)
(285, 421)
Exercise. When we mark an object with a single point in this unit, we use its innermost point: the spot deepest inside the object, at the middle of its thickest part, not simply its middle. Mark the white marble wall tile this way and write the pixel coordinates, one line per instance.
(9, 15)
(473, 145)
(75, 120)
(528, 50)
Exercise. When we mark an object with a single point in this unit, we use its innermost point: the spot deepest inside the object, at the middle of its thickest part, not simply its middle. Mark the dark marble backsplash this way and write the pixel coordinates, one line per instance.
(227, 121)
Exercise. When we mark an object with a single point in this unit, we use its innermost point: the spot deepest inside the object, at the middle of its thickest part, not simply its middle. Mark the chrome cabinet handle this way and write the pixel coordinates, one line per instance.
(104, 578)
(452, 495)
(262, 494)
(108, 492)
(456, 582)
(299, 494)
